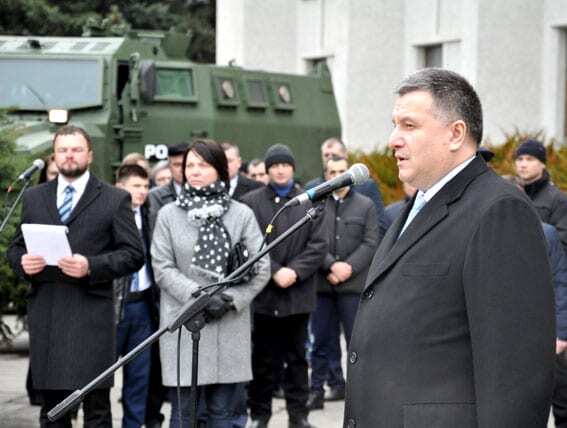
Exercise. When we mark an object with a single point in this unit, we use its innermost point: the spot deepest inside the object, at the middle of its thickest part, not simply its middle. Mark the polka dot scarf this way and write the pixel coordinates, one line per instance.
(206, 206)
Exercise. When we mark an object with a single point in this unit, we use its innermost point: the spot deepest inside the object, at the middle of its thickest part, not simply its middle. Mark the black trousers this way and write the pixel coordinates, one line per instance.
(96, 408)
(273, 338)
(560, 392)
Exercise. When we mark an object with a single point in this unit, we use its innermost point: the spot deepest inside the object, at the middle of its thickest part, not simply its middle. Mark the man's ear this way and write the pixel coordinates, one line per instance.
(458, 130)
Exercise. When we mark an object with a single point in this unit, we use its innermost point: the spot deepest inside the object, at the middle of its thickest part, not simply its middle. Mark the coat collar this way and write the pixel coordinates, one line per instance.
(92, 191)
(435, 211)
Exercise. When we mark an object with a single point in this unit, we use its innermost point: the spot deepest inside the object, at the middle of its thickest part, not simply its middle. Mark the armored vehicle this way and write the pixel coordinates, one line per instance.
(138, 93)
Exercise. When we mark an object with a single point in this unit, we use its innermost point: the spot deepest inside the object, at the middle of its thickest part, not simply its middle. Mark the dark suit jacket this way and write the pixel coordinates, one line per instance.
(122, 285)
(71, 321)
(369, 189)
(245, 185)
(158, 197)
(455, 327)
(352, 234)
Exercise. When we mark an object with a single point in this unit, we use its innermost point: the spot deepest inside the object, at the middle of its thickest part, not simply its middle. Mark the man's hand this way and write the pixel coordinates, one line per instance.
(285, 277)
(341, 270)
(76, 265)
(560, 346)
(32, 264)
(333, 279)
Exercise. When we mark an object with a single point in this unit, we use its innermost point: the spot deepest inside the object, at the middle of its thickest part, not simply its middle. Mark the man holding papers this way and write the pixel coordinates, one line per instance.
(70, 310)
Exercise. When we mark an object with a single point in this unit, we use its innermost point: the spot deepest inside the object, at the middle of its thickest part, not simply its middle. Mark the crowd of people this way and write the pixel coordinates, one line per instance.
(431, 278)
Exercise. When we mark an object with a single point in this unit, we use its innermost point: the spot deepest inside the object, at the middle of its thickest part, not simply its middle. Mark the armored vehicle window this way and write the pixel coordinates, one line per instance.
(45, 83)
(256, 94)
(226, 93)
(174, 83)
(282, 95)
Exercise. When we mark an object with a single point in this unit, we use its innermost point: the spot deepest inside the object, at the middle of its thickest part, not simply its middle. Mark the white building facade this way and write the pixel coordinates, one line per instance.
(514, 52)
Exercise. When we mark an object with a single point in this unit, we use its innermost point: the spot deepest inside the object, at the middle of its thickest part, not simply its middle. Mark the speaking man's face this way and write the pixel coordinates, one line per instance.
(420, 140)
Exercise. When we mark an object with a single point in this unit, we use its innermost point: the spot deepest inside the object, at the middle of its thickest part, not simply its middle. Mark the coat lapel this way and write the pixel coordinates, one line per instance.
(435, 211)
(91, 193)
(50, 198)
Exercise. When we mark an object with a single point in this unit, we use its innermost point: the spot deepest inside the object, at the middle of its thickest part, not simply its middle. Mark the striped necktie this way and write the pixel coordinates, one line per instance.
(67, 206)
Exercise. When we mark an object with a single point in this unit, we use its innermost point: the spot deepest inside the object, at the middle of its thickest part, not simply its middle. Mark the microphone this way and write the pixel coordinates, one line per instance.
(356, 174)
(37, 165)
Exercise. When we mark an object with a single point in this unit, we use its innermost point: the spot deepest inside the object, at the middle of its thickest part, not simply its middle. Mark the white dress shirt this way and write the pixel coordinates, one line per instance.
(79, 185)
(143, 277)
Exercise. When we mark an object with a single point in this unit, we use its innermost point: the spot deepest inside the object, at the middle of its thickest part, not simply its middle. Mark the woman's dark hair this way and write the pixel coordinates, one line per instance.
(212, 153)
(43, 174)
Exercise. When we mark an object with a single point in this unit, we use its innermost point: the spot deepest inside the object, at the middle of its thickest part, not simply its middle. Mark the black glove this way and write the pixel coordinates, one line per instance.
(219, 305)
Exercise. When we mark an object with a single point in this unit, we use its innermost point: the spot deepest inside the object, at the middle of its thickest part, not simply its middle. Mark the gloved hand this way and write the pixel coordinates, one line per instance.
(219, 305)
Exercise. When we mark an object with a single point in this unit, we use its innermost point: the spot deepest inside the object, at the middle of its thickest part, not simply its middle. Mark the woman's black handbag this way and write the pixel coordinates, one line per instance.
(237, 257)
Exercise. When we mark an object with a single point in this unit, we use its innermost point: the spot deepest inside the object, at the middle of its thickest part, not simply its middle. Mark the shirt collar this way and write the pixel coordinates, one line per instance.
(78, 184)
(233, 184)
(433, 190)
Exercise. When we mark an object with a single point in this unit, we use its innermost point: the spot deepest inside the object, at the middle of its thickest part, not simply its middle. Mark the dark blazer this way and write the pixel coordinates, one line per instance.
(558, 262)
(71, 321)
(352, 233)
(455, 327)
(303, 252)
(245, 185)
(158, 197)
(122, 284)
(393, 210)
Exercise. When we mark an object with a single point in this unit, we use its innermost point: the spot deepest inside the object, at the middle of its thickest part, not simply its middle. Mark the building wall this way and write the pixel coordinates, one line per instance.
(513, 51)
(509, 66)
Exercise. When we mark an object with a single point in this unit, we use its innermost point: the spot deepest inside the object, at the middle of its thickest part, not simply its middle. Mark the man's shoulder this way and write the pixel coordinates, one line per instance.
(249, 183)
(254, 195)
(161, 190)
(361, 200)
(314, 182)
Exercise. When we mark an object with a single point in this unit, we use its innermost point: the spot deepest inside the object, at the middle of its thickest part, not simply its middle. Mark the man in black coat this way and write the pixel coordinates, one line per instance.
(549, 201)
(70, 310)
(239, 183)
(455, 327)
(352, 234)
(281, 310)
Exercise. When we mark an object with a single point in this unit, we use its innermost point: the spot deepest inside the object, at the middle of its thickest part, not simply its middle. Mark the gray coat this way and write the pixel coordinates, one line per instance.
(225, 348)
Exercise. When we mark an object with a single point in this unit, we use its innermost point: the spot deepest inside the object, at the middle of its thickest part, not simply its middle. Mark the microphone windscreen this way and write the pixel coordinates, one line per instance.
(39, 163)
(359, 173)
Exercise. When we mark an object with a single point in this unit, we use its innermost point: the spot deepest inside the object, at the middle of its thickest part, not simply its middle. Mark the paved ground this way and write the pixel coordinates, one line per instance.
(15, 411)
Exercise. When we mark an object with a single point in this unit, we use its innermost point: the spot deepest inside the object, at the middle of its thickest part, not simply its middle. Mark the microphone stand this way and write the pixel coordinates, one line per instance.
(191, 315)
(14, 204)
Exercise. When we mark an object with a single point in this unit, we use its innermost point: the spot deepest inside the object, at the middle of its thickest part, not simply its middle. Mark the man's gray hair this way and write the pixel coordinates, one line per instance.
(453, 96)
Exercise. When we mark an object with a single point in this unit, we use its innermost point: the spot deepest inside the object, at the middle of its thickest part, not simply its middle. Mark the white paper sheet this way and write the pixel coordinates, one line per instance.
(47, 240)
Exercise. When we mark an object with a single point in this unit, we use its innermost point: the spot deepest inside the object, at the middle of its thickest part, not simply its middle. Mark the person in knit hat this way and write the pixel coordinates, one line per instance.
(281, 310)
(549, 201)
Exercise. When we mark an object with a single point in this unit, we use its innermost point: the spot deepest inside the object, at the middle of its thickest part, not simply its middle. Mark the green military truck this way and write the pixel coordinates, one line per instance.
(138, 93)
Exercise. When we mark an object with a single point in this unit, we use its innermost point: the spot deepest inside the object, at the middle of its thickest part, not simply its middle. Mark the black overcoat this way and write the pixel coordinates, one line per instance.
(71, 321)
(455, 326)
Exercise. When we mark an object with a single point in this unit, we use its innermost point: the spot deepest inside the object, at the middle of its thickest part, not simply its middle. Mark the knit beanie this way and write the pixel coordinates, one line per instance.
(279, 153)
(533, 148)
